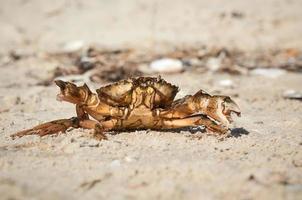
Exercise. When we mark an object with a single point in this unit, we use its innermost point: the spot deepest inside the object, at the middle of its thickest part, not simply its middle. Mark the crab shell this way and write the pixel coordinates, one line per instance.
(120, 93)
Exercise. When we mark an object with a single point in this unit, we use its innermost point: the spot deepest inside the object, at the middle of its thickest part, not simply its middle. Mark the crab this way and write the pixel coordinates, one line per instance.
(138, 103)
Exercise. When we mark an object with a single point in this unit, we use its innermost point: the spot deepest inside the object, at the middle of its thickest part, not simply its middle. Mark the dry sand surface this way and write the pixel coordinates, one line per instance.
(261, 160)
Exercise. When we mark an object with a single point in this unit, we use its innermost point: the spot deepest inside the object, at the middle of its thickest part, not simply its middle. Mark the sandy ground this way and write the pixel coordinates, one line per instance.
(261, 160)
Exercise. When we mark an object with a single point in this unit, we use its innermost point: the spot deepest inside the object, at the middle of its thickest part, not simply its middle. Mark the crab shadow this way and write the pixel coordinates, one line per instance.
(238, 132)
(235, 132)
(177, 130)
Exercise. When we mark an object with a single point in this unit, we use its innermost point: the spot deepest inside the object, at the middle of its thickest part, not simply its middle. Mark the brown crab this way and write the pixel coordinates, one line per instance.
(138, 103)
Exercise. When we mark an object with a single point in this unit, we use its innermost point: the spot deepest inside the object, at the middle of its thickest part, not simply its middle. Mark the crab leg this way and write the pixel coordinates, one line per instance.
(81, 114)
(99, 127)
(61, 125)
(55, 126)
(198, 120)
(52, 127)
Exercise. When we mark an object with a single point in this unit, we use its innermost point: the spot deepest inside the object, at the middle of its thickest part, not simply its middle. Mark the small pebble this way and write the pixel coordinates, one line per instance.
(167, 65)
(73, 46)
(292, 94)
(226, 83)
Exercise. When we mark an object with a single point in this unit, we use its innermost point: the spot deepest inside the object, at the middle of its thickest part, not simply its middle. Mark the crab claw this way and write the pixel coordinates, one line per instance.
(62, 86)
(69, 92)
(229, 107)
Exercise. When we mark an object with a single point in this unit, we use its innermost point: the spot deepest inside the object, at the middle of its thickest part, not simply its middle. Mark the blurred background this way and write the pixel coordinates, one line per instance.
(121, 38)
(46, 25)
